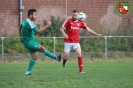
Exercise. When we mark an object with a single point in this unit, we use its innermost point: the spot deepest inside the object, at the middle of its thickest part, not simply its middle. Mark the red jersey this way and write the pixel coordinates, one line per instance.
(73, 30)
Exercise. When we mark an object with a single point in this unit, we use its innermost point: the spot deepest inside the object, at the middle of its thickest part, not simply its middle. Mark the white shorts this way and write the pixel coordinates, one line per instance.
(69, 46)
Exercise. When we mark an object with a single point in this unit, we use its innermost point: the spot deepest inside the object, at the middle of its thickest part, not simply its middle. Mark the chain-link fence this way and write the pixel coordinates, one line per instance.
(92, 47)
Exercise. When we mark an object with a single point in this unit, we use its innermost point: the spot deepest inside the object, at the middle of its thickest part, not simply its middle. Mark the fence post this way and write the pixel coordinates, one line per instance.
(106, 52)
(54, 44)
(2, 38)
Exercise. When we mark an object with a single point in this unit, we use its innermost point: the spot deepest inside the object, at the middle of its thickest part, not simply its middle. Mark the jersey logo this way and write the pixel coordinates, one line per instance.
(23, 24)
(78, 24)
(74, 28)
(35, 45)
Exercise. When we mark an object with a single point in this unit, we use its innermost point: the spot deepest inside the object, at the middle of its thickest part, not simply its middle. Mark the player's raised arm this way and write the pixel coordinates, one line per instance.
(63, 32)
(93, 32)
(45, 27)
(82, 17)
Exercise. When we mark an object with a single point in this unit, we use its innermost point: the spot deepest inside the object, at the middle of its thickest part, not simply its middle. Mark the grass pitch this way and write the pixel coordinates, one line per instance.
(99, 74)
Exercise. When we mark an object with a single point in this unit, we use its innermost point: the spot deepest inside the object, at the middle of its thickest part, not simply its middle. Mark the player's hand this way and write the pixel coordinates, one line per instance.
(65, 36)
(49, 23)
(100, 35)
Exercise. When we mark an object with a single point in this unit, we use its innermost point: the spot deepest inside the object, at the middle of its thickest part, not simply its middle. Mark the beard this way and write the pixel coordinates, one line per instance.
(74, 19)
(33, 19)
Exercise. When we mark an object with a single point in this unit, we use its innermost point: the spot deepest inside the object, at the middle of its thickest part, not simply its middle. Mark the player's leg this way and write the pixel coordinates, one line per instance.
(48, 53)
(32, 47)
(32, 62)
(79, 55)
(65, 58)
(67, 49)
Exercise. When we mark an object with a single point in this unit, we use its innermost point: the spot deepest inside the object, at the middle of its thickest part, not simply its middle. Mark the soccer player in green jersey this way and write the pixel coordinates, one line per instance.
(26, 32)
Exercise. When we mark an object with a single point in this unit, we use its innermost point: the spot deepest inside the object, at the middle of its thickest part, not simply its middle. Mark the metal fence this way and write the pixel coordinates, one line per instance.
(10, 47)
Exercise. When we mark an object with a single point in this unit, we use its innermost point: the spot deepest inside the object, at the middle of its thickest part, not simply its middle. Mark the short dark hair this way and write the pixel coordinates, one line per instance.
(74, 11)
(30, 12)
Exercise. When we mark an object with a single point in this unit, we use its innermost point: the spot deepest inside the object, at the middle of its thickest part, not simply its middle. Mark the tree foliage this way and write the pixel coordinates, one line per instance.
(54, 29)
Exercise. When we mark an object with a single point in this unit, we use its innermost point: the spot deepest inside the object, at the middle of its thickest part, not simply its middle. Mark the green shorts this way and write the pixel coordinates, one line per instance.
(32, 46)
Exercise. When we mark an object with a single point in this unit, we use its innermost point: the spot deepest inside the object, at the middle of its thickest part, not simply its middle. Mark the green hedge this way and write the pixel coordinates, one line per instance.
(13, 45)
(87, 44)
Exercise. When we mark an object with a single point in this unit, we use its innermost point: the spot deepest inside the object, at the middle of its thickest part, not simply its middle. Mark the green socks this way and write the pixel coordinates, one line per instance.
(49, 54)
(31, 65)
(32, 61)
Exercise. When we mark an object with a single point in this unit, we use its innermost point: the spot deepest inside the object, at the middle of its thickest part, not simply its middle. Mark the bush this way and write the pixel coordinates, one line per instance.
(88, 44)
(54, 29)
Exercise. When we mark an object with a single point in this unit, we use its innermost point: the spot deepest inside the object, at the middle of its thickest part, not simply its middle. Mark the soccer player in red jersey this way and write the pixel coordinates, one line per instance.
(71, 38)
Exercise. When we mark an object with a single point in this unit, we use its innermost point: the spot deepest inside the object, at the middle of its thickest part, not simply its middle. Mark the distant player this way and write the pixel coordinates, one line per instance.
(71, 38)
(26, 32)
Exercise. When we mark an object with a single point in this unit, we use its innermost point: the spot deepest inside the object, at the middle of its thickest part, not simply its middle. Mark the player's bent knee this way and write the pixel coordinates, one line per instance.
(79, 54)
(41, 48)
(65, 57)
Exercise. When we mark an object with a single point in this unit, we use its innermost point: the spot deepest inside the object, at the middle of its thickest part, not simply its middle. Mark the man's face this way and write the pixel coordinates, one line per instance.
(74, 16)
(33, 16)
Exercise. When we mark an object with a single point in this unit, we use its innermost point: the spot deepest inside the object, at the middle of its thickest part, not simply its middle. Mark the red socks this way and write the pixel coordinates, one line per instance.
(80, 63)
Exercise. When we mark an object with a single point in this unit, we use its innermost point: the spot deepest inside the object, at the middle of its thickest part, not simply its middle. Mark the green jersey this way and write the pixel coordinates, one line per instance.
(28, 28)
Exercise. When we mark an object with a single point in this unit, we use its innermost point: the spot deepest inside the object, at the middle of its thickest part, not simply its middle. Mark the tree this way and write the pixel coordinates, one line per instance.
(54, 29)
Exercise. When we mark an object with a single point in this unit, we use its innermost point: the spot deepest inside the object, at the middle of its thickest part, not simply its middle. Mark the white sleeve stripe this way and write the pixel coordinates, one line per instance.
(31, 24)
(63, 27)
(85, 25)
(64, 24)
